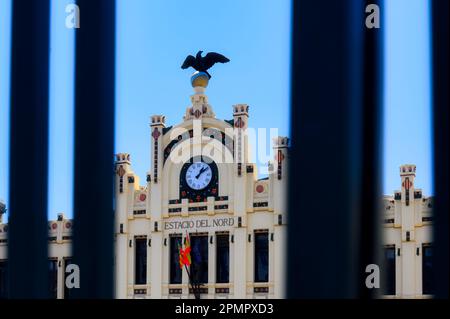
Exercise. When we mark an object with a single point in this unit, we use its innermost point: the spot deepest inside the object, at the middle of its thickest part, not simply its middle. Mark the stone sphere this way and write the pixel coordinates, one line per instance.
(199, 79)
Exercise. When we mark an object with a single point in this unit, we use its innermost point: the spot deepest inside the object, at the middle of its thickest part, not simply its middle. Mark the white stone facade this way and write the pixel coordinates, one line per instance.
(408, 223)
(237, 205)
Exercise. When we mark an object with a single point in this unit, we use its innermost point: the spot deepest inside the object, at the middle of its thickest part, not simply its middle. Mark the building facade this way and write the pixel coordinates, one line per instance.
(202, 186)
(408, 222)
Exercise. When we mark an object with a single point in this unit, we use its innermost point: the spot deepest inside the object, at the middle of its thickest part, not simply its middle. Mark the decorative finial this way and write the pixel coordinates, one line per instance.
(201, 65)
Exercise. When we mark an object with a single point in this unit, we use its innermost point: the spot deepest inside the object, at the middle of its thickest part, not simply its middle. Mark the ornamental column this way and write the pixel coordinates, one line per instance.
(408, 245)
(123, 170)
(155, 180)
(279, 183)
(240, 117)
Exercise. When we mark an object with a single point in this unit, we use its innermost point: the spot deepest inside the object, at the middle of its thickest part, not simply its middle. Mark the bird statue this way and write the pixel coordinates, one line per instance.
(202, 64)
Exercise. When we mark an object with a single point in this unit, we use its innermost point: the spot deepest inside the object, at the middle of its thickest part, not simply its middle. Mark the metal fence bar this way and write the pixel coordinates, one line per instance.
(370, 197)
(27, 247)
(333, 148)
(94, 148)
(440, 33)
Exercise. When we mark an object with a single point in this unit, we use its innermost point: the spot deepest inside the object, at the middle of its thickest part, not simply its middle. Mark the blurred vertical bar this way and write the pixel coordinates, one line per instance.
(440, 20)
(94, 148)
(370, 241)
(27, 249)
(334, 170)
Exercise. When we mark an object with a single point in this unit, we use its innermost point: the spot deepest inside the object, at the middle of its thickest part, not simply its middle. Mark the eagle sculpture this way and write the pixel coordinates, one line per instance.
(202, 64)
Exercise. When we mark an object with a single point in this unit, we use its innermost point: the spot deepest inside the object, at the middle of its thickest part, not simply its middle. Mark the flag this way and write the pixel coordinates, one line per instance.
(185, 254)
(180, 255)
(187, 250)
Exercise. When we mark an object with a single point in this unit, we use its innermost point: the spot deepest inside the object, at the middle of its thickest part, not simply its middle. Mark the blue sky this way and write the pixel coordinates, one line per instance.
(154, 37)
(407, 99)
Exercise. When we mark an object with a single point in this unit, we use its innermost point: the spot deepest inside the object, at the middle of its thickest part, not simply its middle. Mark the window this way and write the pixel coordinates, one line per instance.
(427, 270)
(3, 279)
(53, 278)
(199, 257)
(175, 270)
(223, 258)
(261, 256)
(140, 262)
(67, 292)
(389, 273)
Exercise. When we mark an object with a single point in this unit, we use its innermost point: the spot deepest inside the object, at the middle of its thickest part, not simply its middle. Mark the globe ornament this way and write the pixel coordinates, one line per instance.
(199, 79)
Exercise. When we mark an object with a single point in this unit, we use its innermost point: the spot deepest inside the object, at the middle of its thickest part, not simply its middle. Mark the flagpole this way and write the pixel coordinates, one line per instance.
(186, 259)
(194, 288)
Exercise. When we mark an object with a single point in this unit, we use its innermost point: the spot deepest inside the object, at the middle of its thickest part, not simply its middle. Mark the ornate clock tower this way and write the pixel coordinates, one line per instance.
(202, 185)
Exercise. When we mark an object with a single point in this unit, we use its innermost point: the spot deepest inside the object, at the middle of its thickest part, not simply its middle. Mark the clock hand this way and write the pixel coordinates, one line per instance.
(201, 172)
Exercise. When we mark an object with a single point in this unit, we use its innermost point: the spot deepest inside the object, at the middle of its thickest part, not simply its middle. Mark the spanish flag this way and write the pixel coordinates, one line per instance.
(185, 254)
(180, 255)
(187, 249)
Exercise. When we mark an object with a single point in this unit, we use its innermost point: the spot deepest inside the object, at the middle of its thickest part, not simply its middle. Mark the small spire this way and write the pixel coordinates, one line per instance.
(200, 107)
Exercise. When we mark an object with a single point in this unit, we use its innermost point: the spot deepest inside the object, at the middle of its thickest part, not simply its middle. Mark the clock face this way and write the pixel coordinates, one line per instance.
(198, 175)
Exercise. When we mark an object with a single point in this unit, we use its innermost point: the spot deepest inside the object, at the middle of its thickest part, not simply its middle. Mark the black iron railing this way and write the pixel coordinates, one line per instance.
(94, 148)
(440, 32)
(28, 153)
(335, 127)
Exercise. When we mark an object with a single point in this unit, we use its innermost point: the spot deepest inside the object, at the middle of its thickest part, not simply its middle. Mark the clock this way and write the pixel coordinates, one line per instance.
(198, 175)
(199, 179)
